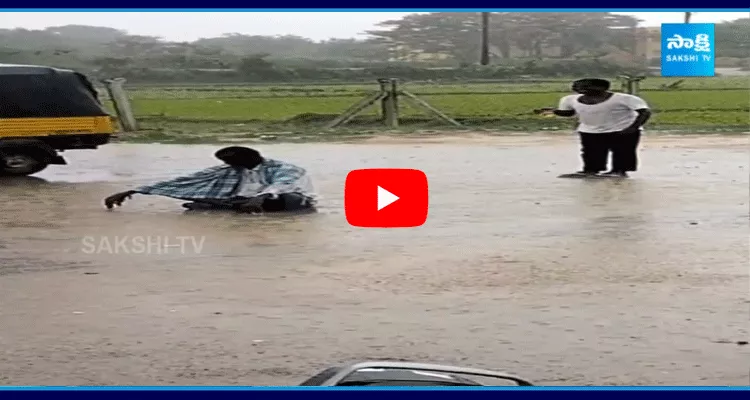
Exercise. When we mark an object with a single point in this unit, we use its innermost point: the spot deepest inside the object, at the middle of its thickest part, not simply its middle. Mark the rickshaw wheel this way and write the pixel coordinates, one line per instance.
(21, 163)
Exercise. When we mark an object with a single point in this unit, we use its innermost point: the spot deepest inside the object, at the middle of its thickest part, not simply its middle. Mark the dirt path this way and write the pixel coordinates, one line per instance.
(564, 282)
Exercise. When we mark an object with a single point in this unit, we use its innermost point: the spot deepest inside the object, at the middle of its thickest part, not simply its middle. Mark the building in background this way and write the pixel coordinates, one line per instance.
(648, 43)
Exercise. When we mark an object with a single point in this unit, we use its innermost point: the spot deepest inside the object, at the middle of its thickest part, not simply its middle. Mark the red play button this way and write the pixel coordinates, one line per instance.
(386, 198)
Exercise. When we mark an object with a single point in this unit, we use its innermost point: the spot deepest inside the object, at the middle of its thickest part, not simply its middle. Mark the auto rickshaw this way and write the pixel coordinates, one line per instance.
(44, 111)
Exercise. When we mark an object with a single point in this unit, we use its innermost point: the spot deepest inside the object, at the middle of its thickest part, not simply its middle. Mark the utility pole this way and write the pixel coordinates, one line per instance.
(485, 56)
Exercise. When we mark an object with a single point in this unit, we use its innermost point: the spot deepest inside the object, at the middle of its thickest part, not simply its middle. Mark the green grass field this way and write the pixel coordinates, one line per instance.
(698, 104)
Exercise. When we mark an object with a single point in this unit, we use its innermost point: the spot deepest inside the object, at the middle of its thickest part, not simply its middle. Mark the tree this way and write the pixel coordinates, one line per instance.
(455, 34)
(351, 49)
(733, 38)
(239, 44)
(134, 46)
(570, 33)
(84, 34)
(441, 34)
(112, 66)
(485, 55)
(257, 67)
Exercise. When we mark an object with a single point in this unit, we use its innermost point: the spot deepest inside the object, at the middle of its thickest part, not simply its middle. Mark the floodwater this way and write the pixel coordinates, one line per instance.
(565, 282)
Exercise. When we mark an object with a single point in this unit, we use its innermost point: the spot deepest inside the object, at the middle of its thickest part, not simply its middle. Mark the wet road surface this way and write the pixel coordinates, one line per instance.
(565, 282)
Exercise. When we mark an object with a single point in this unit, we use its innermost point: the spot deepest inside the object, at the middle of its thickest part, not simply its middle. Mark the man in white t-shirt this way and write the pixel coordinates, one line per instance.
(607, 122)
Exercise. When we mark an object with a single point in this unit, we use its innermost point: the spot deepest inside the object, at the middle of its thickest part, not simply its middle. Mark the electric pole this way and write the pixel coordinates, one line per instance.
(485, 56)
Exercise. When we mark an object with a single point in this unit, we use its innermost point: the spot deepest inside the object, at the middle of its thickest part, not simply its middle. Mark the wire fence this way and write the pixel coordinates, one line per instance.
(423, 88)
(693, 102)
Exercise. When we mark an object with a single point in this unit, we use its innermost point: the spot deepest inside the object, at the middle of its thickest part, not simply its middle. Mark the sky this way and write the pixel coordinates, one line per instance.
(189, 26)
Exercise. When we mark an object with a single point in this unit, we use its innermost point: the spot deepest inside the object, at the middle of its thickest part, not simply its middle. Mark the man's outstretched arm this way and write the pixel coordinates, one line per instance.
(564, 109)
(118, 198)
(558, 112)
(215, 183)
(564, 113)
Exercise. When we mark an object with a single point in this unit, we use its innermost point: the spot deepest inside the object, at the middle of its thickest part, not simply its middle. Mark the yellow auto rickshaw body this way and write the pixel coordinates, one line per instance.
(46, 110)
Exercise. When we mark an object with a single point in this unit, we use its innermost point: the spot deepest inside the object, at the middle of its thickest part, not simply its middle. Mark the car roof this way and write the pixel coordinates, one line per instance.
(406, 375)
(19, 69)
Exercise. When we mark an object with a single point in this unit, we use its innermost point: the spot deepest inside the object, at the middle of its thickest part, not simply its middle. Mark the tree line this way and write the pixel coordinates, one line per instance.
(417, 45)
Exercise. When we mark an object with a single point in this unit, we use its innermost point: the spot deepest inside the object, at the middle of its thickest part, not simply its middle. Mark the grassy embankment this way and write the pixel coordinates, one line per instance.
(200, 113)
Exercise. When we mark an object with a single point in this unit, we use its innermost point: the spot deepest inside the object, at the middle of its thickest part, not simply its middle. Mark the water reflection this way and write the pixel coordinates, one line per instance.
(22, 181)
(614, 211)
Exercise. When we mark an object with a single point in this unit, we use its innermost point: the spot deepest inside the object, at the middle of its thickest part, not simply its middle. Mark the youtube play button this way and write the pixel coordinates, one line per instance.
(386, 198)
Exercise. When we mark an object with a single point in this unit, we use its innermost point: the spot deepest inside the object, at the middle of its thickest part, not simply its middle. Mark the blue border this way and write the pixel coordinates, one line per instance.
(385, 6)
(323, 8)
(587, 389)
(363, 393)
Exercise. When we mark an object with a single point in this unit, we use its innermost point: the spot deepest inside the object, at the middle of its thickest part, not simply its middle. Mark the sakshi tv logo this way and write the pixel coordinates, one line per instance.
(687, 50)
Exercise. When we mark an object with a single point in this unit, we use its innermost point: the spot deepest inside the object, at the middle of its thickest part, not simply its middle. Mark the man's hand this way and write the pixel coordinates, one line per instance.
(552, 112)
(632, 129)
(644, 114)
(544, 111)
(253, 204)
(117, 199)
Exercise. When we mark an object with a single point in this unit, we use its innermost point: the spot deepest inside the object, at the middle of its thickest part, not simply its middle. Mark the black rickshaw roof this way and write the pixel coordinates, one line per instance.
(20, 69)
(36, 91)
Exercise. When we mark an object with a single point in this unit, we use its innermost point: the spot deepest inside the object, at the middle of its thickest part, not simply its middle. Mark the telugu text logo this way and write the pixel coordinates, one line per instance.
(700, 43)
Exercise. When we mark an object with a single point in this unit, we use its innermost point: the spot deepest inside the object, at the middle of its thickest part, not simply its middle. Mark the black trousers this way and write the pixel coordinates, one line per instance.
(595, 149)
(288, 202)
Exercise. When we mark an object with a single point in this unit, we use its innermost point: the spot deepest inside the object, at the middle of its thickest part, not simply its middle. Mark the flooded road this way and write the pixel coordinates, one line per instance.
(565, 282)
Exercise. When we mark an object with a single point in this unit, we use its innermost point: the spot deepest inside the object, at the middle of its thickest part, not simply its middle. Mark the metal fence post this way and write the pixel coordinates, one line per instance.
(122, 104)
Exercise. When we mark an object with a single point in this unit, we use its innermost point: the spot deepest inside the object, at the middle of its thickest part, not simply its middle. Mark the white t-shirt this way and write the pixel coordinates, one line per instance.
(612, 115)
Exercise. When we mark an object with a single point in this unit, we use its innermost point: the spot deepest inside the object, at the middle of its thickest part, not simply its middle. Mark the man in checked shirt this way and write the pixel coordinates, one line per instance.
(247, 182)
